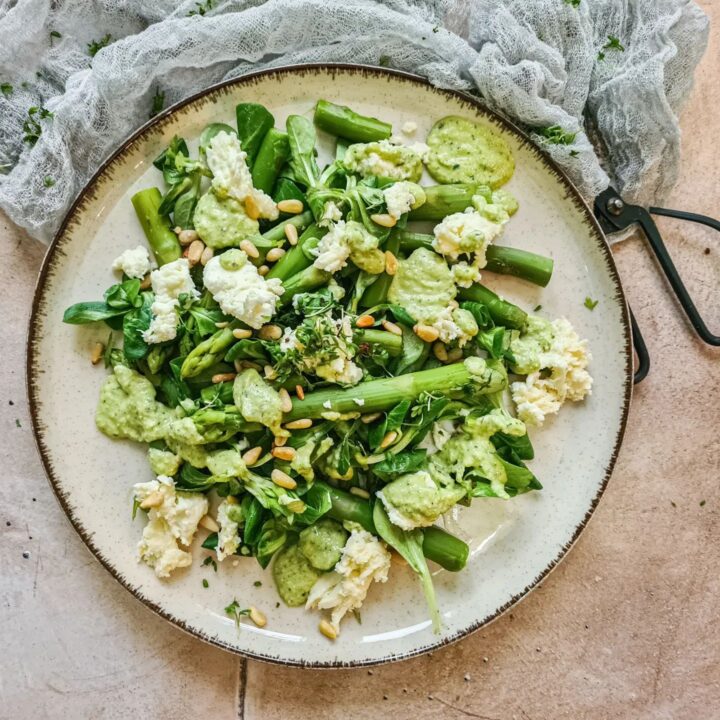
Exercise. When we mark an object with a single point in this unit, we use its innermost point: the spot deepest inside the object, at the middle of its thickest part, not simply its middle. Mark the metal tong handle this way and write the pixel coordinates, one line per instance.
(615, 215)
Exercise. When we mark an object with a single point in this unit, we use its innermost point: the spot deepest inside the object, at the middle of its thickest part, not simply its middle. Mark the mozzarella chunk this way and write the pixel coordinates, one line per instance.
(243, 293)
(364, 560)
(331, 214)
(333, 250)
(399, 198)
(231, 176)
(465, 233)
(169, 282)
(134, 263)
(567, 360)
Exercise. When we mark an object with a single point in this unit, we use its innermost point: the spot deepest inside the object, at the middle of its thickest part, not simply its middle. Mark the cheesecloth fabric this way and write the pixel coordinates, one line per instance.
(597, 83)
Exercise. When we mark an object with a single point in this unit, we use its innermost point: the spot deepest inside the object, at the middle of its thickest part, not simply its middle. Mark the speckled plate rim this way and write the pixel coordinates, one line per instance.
(55, 250)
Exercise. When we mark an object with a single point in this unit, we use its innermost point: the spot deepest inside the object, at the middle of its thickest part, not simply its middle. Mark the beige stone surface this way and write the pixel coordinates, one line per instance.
(625, 628)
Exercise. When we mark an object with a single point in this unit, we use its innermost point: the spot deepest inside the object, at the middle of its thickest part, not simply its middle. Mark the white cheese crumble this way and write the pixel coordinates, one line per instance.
(464, 274)
(359, 401)
(465, 233)
(342, 370)
(331, 214)
(449, 330)
(399, 198)
(231, 176)
(364, 559)
(228, 537)
(333, 251)
(567, 360)
(134, 263)
(327, 404)
(243, 293)
(171, 523)
(168, 283)
(409, 127)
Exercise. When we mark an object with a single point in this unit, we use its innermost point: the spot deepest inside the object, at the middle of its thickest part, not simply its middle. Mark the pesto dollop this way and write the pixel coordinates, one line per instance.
(322, 543)
(222, 223)
(463, 151)
(294, 575)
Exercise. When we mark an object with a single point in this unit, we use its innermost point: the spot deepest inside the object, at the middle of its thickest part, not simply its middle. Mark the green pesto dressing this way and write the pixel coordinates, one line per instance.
(258, 402)
(294, 575)
(322, 543)
(463, 151)
(128, 409)
(423, 285)
(222, 223)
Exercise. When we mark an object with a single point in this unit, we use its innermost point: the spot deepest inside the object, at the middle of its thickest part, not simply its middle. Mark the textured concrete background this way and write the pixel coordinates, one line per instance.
(625, 628)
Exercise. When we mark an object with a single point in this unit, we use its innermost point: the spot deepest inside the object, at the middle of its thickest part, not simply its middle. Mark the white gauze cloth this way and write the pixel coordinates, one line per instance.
(542, 63)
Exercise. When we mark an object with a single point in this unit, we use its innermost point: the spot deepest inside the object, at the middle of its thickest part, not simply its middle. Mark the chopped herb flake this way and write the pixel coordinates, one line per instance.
(48, 181)
(97, 45)
(384, 61)
(32, 127)
(590, 303)
(574, 153)
(537, 308)
(235, 611)
(54, 34)
(202, 8)
(574, 3)
(17, 423)
(612, 44)
(210, 561)
(205, 583)
(6, 89)
(702, 503)
(158, 103)
(556, 135)
(257, 583)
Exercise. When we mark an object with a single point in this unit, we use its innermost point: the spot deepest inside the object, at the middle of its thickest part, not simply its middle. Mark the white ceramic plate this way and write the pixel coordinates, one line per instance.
(515, 544)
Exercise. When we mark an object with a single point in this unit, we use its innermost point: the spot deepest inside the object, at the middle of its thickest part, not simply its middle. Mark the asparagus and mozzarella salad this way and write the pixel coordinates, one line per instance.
(311, 358)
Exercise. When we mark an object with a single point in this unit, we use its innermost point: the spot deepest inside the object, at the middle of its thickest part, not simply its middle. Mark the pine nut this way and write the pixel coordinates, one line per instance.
(263, 270)
(291, 233)
(359, 492)
(391, 263)
(282, 479)
(301, 424)
(300, 392)
(290, 206)
(454, 355)
(440, 351)
(274, 254)
(258, 617)
(384, 220)
(283, 453)
(370, 417)
(185, 237)
(250, 365)
(177, 229)
(209, 524)
(207, 256)
(296, 506)
(389, 439)
(154, 499)
(195, 251)
(327, 630)
(239, 367)
(222, 325)
(146, 282)
(250, 457)
(285, 400)
(241, 333)
(269, 372)
(97, 353)
(231, 500)
(270, 332)
(365, 321)
(426, 332)
(223, 377)
(251, 208)
(249, 249)
(391, 327)
(279, 441)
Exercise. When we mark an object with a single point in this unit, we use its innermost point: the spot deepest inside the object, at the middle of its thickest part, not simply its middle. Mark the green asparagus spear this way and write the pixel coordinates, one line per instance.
(457, 379)
(376, 294)
(438, 545)
(503, 260)
(161, 238)
(442, 200)
(304, 281)
(346, 123)
(391, 342)
(272, 155)
(207, 353)
(501, 311)
(295, 259)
